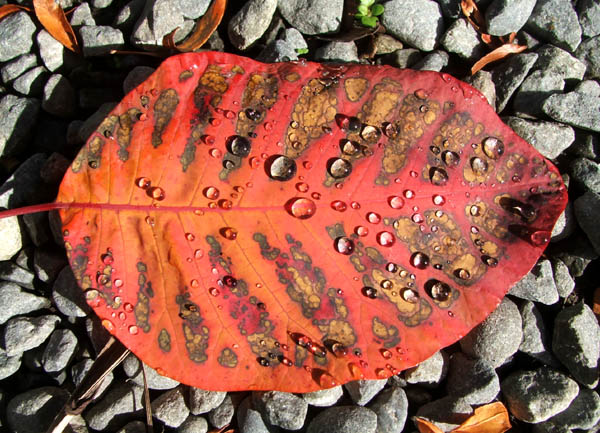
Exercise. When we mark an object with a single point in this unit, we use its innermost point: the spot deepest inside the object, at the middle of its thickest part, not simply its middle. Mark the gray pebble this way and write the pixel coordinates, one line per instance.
(194, 424)
(281, 409)
(59, 97)
(53, 54)
(434, 61)
(16, 301)
(416, 22)
(588, 53)
(462, 39)
(133, 368)
(556, 21)
(17, 119)
(562, 278)
(312, 17)
(588, 12)
(535, 396)
(558, 61)
(430, 372)
(250, 420)
(31, 83)
(533, 92)
(9, 364)
(509, 75)
(284, 49)
(16, 35)
(549, 138)
(250, 22)
(159, 18)
(405, 58)
(362, 391)
(59, 350)
(135, 77)
(80, 369)
(579, 108)
(386, 44)
(24, 333)
(337, 52)
(48, 263)
(100, 40)
(507, 16)
(127, 16)
(133, 427)
(222, 414)
(68, 296)
(586, 173)
(33, 411)
(123, 399)
(473, 380)
(535, 337)
(548, 427)
(587, 209)
(564, 227)
(482, 81)
(324, 397)
(576, 342)
(583, 412)
(202, 401)
(170, 408)
(16, 67)
(193, 9)
(9, 271)
(391, 407)
(344, 419)
(497, 337)
(538, 285)
(446, 413)
(82, 16)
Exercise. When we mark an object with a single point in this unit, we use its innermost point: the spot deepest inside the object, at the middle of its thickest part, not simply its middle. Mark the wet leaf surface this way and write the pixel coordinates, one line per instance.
(295, 226)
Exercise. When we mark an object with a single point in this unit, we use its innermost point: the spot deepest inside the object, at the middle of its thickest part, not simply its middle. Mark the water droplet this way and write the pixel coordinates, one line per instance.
(474, 210)
(110, 327)
(355, 371)
(338, 205)
(419, 260)
(282, 168)
(208, 139)
(417, 218)
(385, 239)
(450, 158)
(238, 145)
(229, 233)
(479, 166)
(370, 133)
(190, 237)
(225, 204)
(391, 267)
(493, 147)
(369, 292)
(195, 284)
(523, 210)
(409, 295)
(438, 290)
(157, 193)
(381, 373)
(438, 200)
(462, 274)
(107, 259)
(286, 361)
(361, 231)
(302, 187)
(253, 114)
(133, 330)
(396, 202)
(373, 218)
(263, 361)
(211, 193)
(92, 297)
(438, 176)
(143, 182)
(408, 193)
(229, 281)
(301, 208)
(474, 230)
(344, 245)
(540, 237)
(213, 291)
(93, 164)
(386, 353)
(492, 262)
(339, 168)
(215, 153)
(118, 283)
(349, 147)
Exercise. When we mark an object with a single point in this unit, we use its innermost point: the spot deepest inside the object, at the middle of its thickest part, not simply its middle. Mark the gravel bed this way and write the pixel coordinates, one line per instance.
(538, 352)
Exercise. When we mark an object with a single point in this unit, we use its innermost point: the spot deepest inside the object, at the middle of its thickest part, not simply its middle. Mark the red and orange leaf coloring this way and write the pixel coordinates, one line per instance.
(294, 226)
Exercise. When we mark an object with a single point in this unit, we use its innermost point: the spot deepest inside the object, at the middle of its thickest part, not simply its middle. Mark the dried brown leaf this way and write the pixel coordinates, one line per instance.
(55, 22)
(473, 15)
(425, 426)
(204, 28)
(11, 9)
(499, 53)
(491, 418)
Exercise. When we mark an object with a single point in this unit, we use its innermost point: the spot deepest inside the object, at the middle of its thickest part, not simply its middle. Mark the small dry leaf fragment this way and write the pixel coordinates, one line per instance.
(490, 418)
(473, 15)
(499, 53)
(204, 28)
(55, 22)
(596, 306)
(425, 426)
(11, 9)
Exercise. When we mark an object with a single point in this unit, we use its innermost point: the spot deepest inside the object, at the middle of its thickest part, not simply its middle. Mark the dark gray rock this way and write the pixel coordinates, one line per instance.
(133, 368)
(507, 16)
(558, 61)
(562, 278)
(68, 296)
(391, 407)
(586, 173)
(462, 39)
(80, 369)
(17, 67)
(405, 58)
(202, 401)
(434, 61)
(136, 76)
(509, 75)
(116, 407)
(59, 97)
(337, 52)
(31, 82)
(555, 21)
(170, 408)
(482, 81)
(587, 209)
(538, 285)
(53, 54)
(344, 419)
(416, 22)
(100, 40)
(82, 16)
(579, 108)
(588, 53)
(159, 18)
(281, 409)
(497, 337)
(194, 424)
(284, 49)
(193, 9)
(362, 391)
(386, 44)
(250, 420)
(134, 427)
(126, 18)
(446, 413)
(24, 333)
(535, 396)
(473, 380)
(9, 271)
(9, 364)
(48, 264)
(576, 342)
(16, 35)
(324, 397)
(222, 414)
(59, 351)
(565, 226)
(250, 22)
(549, 138)
(17, 119)
(535, 337)
(16, 301)
(589, 17)
(312, 17)
(33, 411)
(583, 412)
(430, 372)
(533, 92)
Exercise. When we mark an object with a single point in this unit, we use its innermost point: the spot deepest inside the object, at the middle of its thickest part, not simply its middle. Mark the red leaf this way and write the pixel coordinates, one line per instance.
(208, 233)
(54, 21)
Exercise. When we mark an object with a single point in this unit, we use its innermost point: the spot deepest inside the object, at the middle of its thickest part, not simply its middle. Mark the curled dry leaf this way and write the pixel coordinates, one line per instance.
(499, 53)
(490, 418)
(473, 15)
(11, 9)
(425, 426)
(55, 22)
(204, 28)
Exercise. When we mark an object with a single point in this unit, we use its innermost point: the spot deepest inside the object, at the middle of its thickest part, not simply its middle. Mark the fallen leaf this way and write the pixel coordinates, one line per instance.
(596, 306)
(11, 9)
(473, 15)
(499, 53)
(490, 418)
(425, 426)
(205, 27)
(53, 18)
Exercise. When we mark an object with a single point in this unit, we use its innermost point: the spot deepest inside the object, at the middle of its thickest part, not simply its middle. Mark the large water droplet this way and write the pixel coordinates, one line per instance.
(419, 260)
(438, 176)
(238, 145)
(396, 202)
(157, 193)
(370, 133)
(462, 274)
(281, 168)
(540, 237)
(361, 231)
(369, 292)
(338, 205)
(229, 233)
(373, 218)
(385, 239)
(339, 168)
(524, 210)
(438, 290)
(349, 147)
(450, 158)
(479, 166)
(143, 182)
(438, 200)
(344, 245)
(301, 208)
(493, 147)
(409, 295)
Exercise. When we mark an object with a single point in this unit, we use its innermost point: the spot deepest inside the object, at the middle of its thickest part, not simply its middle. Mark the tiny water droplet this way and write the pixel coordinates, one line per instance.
(229, 281)
(264, 361)
(253, 114)
(338, 205)
(349, 147)
(479, 166)
(438, 290)
(450, 158)
(213, 291)
(344, 245)
(386, 353)
(438, 200)
(540, 237)
(462, 274)
(229, 233)
(301, 208)
(339, 168)
(238, 145)
(381, 373)
(286, 361)
(302, 187)
(369, 292)
(474, 210)
(190, 237)
(396, 202)
(373, 218)
(417, 218)
(282, 168)
(157, 193)
(493, 147)
(133, 330)
(361, 231)
(225, 204)
(211, 193)
(370, 133)
(118, 283)
(215, 153)
(409, 295)
(107, 259)
(391, 267)
(419, 260)
(438, 176)
(209, 139)
(143, 182)
(93, 164)
(195, 284)
(408, 193)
